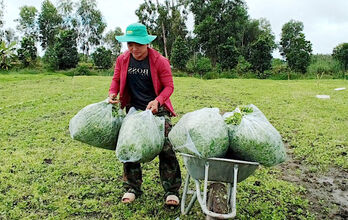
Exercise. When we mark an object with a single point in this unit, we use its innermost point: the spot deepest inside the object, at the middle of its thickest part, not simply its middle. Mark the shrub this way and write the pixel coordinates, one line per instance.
(263, 75)
(243, 67)
(201, 65)
(279, 66)
(324, 66)
(211, 75)
(179, 74)
(228, 75)
(279, 69)
(191, 65)
(84, 69)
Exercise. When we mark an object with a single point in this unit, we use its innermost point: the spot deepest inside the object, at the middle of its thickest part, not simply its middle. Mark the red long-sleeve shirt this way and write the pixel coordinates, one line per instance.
(161, 75)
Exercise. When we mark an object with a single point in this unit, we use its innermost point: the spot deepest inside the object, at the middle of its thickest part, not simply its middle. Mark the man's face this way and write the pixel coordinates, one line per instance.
(139, 51)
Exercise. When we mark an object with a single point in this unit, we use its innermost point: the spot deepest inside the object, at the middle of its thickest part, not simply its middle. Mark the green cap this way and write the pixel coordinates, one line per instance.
(136, 33)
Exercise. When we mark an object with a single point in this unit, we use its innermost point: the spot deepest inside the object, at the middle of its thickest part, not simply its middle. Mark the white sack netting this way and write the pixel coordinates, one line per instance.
(202, 133)
(97, 124)
(141, 137)
(253, 138)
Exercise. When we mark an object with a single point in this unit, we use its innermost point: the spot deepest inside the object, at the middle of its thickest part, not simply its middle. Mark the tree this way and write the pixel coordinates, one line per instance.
(102, 58)
(7, 55)
(166, 21)
(27, 53)
(216, 21)
(180, 54)
(10, 36)
(294, 47)
(91, 25)
(66, 9)
(261, 53)
(66, 49)
(2, 9)
(250, 34)
(111, 43)
(63, 54)
(49, 23)
(192, 43)
(228, 54)
(340, 53)
(50, 58)
(7, 35)
(262, 47)
(27, 22)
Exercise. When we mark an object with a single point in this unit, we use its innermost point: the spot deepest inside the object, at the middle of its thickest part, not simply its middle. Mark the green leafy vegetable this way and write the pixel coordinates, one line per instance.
(246, 109)
(234, 119)
(254, 138)
(141, 137)
(202, 133)
(97, 124)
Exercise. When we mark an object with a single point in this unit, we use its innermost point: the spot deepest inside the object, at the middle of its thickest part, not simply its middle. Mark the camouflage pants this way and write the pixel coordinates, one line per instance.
(168, 166)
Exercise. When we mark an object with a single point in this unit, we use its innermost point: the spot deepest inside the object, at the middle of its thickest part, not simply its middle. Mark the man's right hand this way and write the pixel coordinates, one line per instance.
(113, 98)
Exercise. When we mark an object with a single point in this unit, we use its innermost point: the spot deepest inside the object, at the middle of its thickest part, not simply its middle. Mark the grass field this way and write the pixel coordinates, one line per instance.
(46, 174)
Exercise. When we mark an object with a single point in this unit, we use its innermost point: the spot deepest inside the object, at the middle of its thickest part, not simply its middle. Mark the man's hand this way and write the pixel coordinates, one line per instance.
(153, 106)
(113, 98)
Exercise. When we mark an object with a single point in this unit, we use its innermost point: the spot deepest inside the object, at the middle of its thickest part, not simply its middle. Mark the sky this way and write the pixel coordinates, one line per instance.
(325, 22)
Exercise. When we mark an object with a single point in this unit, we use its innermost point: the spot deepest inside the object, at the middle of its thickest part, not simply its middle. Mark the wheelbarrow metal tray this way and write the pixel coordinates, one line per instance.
(220, 169)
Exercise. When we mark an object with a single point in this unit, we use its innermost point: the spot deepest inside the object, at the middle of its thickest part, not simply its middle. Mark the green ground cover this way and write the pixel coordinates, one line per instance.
(46, 174)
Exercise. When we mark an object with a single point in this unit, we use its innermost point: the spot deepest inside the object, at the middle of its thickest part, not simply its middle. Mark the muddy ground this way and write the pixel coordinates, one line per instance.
(327, 191)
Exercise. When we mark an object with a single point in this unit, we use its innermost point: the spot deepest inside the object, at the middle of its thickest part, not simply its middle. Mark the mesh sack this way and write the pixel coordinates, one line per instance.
(97, 124)
(253, 138)
(202, 133)
(141, 137)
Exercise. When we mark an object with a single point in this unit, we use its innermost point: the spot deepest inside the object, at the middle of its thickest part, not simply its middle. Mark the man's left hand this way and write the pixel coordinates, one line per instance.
(153, 106)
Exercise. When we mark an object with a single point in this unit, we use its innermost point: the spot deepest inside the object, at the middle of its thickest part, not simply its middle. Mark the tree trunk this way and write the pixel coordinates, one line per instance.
(164, 36)
(213, 61)
(164, 41)
(217, 199)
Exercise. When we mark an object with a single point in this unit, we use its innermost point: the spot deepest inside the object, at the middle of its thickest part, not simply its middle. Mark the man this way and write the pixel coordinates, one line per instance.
(143, 80)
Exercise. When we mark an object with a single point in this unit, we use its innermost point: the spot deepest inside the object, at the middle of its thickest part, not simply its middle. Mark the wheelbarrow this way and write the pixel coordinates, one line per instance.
(218, 170)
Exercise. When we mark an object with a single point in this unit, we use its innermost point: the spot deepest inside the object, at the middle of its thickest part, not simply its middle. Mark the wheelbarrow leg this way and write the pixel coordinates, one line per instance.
(229, 192)
(234, 189)
(185, 210)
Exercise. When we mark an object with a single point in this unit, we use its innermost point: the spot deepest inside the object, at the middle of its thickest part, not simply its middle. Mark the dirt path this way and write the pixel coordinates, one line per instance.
(327, 192)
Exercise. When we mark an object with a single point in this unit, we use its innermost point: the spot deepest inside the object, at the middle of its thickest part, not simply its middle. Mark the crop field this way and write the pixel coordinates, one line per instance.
(45, 174)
